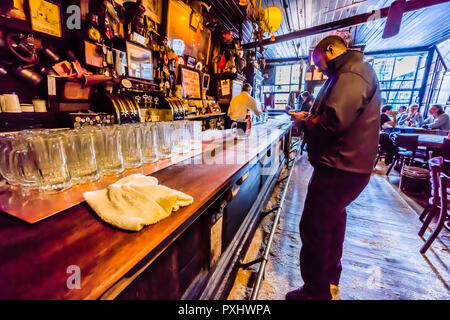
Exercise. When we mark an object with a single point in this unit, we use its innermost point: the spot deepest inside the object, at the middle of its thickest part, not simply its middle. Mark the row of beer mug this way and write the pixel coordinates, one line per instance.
(53, 160)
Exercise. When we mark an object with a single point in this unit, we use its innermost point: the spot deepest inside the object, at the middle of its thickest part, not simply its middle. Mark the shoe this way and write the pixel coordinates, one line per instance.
(335, 292)
(301, 294)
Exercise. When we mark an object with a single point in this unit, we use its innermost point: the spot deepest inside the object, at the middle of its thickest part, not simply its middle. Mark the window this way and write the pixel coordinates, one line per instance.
(267, 89)
(440, 85)
(283, 75)
(287, 79)
(400, 77)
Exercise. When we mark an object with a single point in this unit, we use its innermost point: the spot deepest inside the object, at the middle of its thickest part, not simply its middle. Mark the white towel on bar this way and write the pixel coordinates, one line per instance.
(136, 201)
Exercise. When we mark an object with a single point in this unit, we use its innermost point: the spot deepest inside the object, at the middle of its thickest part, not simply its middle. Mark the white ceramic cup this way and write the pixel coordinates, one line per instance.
(39, 105)
(10, 103)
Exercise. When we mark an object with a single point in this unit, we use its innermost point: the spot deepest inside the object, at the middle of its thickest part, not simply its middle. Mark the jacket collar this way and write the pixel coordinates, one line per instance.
(337, 63)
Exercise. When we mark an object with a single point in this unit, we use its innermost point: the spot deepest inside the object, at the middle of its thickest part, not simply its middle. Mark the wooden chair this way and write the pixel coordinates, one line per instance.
(406, 150)
(445, 149)
(381, 152)
(443, 216)
(435, 165)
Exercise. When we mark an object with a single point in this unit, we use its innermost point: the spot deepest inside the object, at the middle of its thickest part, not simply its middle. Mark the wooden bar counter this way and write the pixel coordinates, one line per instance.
(37, 260)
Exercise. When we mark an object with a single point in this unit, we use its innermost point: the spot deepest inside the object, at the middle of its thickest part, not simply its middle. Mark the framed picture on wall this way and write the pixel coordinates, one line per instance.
(14, 14)
(45, 17)
(194, 20)
(18, 11)
(153, 8)
(190, 61)
(205, 82)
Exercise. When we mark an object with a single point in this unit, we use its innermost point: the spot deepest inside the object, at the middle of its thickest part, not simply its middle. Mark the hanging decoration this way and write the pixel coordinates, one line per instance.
(230, 56)
(263, 21)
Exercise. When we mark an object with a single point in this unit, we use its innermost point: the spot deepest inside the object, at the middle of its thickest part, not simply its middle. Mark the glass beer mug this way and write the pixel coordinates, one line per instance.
(16, 164)
(165, 139)
(81, 160)
(108, 150)
(182, 136)
(49, 158)
(149, 142)
(131, 145)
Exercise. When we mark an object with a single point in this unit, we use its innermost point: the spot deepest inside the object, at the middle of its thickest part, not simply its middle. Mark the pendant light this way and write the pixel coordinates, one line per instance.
(274, 17)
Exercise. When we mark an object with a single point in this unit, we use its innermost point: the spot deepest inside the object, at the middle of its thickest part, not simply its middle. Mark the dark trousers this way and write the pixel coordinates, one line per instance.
(228, 122)
(322, 226)
(388, 147)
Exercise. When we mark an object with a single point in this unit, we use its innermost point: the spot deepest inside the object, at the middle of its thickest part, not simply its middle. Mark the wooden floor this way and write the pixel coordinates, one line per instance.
(381, 258)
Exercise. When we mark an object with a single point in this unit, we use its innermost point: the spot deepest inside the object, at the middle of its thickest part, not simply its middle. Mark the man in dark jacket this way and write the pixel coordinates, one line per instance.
(342, 136)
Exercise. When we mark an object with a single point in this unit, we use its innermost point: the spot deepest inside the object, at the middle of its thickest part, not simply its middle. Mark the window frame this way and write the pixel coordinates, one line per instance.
(290, 85)
(388, 83)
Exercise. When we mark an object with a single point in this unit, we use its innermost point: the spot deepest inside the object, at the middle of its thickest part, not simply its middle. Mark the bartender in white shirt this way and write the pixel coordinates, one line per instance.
(241, 103)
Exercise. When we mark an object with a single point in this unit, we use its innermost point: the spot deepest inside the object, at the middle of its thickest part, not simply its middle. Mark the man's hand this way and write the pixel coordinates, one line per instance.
(300, 120)
(300, 115)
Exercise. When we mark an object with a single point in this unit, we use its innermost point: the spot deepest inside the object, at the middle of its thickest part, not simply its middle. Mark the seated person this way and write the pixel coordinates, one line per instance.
(411, 118)
(307, 102)
(438, 119)
(291, 101)
(385, 120)
(401, 111)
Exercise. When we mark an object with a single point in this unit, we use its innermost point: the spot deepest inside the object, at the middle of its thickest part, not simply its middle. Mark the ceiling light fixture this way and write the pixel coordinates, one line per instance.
(274, 17)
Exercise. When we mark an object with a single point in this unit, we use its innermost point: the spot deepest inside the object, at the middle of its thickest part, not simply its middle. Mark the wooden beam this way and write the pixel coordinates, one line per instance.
(284, 60)
(368, 53)
(412, 5)
(396, 51)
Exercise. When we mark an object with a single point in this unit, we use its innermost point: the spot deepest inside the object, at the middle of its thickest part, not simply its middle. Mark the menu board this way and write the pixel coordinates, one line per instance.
(191, 83)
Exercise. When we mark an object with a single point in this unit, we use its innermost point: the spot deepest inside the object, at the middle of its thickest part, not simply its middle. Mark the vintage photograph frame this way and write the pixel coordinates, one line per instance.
(194, 20)
(46, 17)
(17, 18)
(184, 69)
(206, 78)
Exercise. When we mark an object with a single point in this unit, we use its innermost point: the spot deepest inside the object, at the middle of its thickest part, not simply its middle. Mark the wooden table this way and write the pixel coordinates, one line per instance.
(35, 260)
(430, 141)
(405, 129)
